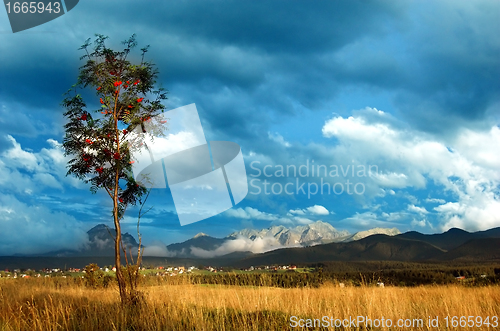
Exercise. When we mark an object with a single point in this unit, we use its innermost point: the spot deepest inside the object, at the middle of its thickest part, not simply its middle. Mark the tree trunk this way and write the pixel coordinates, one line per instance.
(122, 285)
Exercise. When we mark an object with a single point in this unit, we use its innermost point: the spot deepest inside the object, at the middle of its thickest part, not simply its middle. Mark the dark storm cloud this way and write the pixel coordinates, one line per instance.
(35, 71)
(195, 40)
(440, 62)
(455, 65)
(251, 64)
(271, 26)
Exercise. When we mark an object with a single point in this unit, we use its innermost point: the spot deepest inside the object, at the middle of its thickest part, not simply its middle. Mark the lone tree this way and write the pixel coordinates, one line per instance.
(100, 138)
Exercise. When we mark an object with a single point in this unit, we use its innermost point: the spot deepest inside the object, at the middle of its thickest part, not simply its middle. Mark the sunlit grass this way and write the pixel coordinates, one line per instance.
(59, 304)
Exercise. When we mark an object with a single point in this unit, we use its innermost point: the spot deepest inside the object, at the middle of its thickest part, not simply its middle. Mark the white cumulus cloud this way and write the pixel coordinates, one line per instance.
(465, 166)
(313, 210)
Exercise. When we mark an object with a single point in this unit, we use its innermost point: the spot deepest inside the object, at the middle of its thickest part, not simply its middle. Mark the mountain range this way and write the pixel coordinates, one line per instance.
(274, 237)
(381, 248)
(312, 243)
(319, 242)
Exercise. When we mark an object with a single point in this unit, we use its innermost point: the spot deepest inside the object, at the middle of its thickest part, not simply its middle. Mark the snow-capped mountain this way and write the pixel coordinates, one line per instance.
(306, 235)
(274, 237)
(363, 234)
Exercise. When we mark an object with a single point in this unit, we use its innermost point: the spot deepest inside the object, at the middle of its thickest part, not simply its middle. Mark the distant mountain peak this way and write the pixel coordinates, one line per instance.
(363, 234)
(98, 227)
(456, 231)
(101, 240)
(315, 233)
(201, 234)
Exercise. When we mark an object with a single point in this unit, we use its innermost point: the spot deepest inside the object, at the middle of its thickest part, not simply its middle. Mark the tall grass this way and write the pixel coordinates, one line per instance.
(60, 304)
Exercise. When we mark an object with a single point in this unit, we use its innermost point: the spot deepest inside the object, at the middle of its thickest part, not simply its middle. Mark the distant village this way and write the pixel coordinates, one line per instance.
(152, 271)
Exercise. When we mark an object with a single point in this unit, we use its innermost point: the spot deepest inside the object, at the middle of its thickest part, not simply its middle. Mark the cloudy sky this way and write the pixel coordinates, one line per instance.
(398, 100)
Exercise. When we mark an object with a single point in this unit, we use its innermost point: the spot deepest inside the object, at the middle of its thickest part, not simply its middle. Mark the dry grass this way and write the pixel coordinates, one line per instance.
(43, 304)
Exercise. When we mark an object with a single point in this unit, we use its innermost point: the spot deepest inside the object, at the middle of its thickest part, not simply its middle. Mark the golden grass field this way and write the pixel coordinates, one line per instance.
(48, 304)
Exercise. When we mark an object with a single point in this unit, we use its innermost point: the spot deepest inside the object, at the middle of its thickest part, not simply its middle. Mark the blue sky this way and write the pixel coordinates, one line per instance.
(409, 87)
